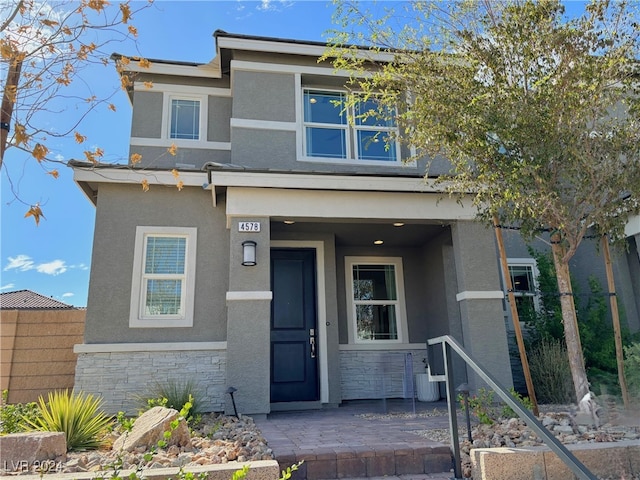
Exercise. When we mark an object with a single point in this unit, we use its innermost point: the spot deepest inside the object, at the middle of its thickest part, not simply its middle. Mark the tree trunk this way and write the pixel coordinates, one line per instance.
(8, 101)
(569, 319)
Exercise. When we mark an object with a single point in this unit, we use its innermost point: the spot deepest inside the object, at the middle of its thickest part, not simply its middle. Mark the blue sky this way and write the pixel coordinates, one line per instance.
(54, 258)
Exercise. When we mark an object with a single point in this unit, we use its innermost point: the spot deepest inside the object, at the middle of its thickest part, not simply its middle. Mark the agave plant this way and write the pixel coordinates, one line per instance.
(78, 415)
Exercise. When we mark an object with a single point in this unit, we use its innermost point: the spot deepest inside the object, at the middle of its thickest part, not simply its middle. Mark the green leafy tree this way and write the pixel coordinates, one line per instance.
(537, 113)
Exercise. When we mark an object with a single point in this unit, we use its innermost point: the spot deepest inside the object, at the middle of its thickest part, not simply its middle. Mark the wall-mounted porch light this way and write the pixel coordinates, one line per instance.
(249, 253)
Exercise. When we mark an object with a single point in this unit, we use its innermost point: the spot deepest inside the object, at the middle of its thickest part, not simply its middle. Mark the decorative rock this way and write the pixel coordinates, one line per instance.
(21, 451)
(149, 429)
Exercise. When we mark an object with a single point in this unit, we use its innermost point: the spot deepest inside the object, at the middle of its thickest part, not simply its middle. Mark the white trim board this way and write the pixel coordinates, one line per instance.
(480, 295)
(147, 347)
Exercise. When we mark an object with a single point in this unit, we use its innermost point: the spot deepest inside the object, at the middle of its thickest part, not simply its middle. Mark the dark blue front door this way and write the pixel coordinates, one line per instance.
(294, 352)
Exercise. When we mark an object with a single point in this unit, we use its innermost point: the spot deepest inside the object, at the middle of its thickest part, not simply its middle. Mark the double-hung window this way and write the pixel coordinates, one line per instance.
(332, 131)
(523, 274)
(163, 277)
(376, 297)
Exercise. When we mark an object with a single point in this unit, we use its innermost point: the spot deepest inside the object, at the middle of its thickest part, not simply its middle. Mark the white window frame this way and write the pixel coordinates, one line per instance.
(351, 134)
(137, 318)
(401, 309)
(531, 263)
(168, 98)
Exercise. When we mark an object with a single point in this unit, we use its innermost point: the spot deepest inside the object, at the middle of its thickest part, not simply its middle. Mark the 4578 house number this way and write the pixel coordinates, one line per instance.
(248, 226)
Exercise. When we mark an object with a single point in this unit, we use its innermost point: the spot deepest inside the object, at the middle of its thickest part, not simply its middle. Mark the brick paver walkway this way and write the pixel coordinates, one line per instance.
(360, 439)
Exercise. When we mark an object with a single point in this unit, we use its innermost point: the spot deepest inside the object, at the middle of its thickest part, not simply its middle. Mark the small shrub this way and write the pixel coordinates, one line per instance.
(508, 412)
(12, 414)
(481, 405)
(173, 394)
(632, 368)
(78, 415)
(550, 373)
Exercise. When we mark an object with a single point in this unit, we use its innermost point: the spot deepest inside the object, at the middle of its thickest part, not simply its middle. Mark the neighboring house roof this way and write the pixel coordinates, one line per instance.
(28, 300)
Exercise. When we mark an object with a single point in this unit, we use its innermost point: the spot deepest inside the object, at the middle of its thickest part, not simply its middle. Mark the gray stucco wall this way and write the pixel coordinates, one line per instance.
(120, 209)
(482, 319)
(147, 115)
(264, 96)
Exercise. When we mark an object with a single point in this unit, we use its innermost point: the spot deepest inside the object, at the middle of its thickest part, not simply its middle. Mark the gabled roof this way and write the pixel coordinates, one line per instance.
(28, 300)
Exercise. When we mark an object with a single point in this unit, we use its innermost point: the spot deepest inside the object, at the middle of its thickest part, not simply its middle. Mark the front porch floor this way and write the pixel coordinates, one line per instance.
(358, 439)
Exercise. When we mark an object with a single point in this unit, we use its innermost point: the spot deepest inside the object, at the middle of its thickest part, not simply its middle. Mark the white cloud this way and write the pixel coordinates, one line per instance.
(8, 286)
(68, 294)
(21, 262)
(25, 263)
(54, 268)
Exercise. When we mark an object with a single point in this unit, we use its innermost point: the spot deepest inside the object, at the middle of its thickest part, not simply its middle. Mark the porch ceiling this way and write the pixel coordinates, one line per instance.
(354, 234)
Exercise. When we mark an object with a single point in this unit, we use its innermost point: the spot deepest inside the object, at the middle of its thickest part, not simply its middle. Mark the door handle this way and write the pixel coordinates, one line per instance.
(312, 342)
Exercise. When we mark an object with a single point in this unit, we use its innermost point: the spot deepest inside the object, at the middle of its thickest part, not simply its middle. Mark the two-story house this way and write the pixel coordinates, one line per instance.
(300, 261)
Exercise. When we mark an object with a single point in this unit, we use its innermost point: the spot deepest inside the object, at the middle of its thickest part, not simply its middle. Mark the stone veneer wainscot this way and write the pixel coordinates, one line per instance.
(369, 374)
(121, 373)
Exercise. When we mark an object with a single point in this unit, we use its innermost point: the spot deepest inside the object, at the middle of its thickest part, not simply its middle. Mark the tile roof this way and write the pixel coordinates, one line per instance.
(28, 300)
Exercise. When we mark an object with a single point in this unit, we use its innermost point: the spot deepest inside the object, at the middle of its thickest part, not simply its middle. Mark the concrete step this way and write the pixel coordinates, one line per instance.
(363, 462)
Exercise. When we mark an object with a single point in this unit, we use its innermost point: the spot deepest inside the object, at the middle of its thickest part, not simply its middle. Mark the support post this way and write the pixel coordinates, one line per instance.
(516, 318)
(615, 317)
(451, 403)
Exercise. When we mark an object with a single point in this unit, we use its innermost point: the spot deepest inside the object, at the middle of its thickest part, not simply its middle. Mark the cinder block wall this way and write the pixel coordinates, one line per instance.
(37, 351)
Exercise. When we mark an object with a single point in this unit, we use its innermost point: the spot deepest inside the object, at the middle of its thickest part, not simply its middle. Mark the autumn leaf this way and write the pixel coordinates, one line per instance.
(49, 23)
(112, 107)
(11, 92)
(135, 158)
(20, 136)
(79, 138)
(145, 185)
(94, 156)
(40, 152)
(175, 173)
(133, 30)
(97, 5)
(126, 12)
(144, 63)
(148, 84)
(180, 185)
(125, 83)
(172, 149)
(53, 173)
(36, 212)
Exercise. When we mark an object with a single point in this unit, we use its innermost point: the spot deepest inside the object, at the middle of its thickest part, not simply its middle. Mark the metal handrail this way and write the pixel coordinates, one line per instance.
(449, 343)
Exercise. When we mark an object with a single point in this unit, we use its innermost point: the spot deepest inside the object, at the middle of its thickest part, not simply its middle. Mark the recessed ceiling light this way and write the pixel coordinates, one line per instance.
(378, 242)
(398, 224)
(289, 222)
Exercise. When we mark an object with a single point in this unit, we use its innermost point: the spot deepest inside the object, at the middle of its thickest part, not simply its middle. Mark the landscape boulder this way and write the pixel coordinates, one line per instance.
(22, 451)
(149, 429)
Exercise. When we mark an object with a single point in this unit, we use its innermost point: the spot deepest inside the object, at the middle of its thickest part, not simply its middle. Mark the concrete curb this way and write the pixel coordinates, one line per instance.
(610, 459)
(258, 470)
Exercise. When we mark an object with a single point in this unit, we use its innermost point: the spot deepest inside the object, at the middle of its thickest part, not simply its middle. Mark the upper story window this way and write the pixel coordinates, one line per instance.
(376, 298)
(163, 277)
(185, 119)
(329, 133)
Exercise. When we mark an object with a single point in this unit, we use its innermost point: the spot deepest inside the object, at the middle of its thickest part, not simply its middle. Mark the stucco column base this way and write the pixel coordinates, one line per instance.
(480, 300)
